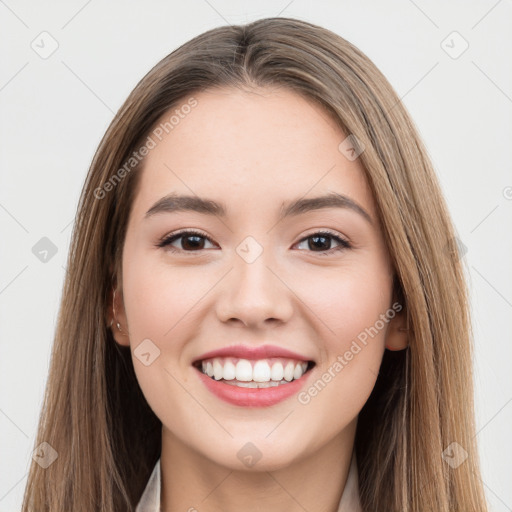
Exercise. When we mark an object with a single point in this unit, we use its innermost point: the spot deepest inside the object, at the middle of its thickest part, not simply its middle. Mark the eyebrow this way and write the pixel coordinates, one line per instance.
(179, 203)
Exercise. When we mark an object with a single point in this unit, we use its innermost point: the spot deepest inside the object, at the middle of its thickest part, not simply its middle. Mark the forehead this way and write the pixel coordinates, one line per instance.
(250, 149)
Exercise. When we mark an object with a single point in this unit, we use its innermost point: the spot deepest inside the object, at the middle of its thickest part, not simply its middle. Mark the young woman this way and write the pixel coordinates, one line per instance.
(264, 307)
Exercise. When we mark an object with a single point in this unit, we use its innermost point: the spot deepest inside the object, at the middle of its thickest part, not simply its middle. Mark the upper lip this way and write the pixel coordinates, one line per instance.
(250, 352)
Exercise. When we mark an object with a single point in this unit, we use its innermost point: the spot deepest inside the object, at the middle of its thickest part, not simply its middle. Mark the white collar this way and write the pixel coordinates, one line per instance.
(150, 500)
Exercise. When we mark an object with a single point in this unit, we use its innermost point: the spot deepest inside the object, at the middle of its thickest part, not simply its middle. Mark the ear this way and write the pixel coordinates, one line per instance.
(397, 333)
(117, 317)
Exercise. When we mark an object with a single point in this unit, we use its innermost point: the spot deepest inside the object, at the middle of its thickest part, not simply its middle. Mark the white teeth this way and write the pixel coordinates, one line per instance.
(261, 372)
(297, 372)
(229, 371)
(264, 371)
(288, 371)
(244, 370)
(277, 371)
(253, 384)
(218, 371)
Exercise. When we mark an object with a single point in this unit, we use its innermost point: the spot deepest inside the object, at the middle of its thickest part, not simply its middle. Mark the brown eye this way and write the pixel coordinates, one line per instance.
(321, 242)
(191, 241)
(194, 241)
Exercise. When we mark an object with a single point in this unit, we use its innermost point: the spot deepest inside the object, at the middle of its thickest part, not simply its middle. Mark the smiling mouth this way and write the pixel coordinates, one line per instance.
(261, 373)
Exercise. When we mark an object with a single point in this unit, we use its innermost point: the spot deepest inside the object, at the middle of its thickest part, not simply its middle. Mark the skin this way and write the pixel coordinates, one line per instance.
(253, 150)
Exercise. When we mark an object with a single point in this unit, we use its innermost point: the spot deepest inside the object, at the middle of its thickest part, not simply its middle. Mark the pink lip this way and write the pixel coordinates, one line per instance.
(247, 352)
(253, 397)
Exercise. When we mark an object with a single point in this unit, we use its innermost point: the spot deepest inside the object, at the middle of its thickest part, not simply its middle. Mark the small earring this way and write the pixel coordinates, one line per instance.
(118, 325)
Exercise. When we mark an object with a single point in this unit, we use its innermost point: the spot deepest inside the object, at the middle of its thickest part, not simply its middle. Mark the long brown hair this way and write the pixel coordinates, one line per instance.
(94, 414)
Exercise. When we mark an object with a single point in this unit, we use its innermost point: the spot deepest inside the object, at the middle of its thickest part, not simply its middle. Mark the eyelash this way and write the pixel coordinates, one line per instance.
(167, 240)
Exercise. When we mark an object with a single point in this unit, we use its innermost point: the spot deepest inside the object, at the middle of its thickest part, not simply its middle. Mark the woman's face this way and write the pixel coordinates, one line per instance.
(255, 277)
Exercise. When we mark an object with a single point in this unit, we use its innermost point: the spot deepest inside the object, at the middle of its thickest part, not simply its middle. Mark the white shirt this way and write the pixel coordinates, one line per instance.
(150, 499)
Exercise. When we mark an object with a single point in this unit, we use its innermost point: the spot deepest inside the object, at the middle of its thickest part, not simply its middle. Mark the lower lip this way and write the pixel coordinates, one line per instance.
(253, 397)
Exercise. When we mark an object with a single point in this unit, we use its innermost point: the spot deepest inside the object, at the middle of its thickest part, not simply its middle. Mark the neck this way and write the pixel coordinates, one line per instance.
(191, 482)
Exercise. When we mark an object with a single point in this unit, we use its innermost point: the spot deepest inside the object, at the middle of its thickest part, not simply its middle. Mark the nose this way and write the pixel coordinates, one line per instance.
(254, 295)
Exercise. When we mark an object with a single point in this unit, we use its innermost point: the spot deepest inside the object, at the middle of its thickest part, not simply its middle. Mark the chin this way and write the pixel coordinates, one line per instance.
(257, 453)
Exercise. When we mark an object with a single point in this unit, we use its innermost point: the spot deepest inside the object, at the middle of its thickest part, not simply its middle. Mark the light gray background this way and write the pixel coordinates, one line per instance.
(55, 110)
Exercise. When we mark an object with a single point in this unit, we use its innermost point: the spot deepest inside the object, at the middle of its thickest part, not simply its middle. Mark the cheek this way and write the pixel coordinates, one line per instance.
(159, 303)
(348, 302)
(158, 298)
